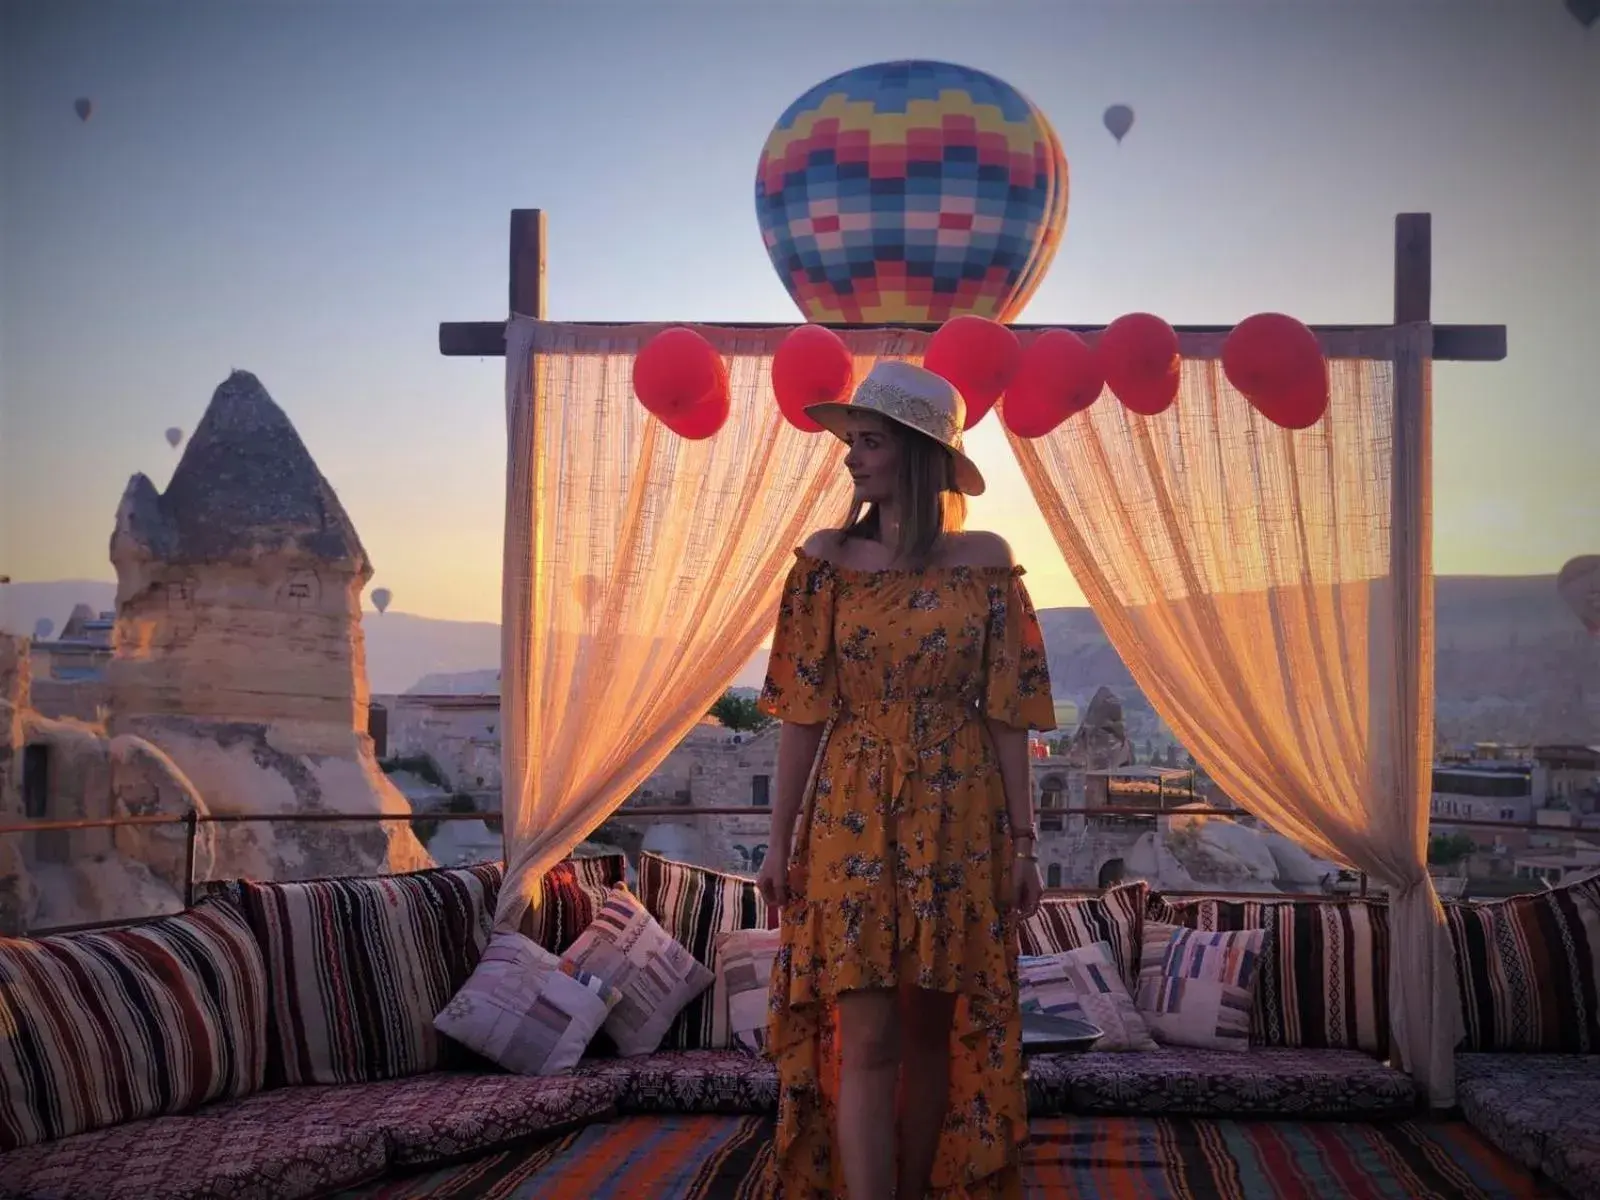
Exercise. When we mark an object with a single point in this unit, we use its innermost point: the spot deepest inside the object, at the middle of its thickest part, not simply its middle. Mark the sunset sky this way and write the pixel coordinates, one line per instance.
(306, 190)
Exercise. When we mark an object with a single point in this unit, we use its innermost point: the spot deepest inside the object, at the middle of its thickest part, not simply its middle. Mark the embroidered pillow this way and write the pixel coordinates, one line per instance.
(527, 1010)
(1196, 989)
(739, 997)
(1084, 984)
(694, 905)
(655, 975)
(1114, 917)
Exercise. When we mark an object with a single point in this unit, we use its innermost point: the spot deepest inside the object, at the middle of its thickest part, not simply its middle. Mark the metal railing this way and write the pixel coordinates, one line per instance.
(192, 821)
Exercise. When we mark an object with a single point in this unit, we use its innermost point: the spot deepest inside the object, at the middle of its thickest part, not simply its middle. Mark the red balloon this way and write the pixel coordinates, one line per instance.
(812, 366)
(978, 356)
(1138, 354)
(678, 371)
(701, 421)
(1276, 364)
(1057, 377)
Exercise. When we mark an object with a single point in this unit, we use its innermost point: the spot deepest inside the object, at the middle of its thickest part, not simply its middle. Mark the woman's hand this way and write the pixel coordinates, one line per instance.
(1028, 887)
(772, 881)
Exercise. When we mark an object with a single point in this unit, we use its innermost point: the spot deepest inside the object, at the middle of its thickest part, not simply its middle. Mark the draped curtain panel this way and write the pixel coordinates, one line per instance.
(642, 570)
(1271, 593)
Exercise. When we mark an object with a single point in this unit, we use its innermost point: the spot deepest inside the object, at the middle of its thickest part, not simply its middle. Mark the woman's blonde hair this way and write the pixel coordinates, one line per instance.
(930, 505)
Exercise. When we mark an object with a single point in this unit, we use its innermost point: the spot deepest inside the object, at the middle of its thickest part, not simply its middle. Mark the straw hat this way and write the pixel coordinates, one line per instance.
(916, 398)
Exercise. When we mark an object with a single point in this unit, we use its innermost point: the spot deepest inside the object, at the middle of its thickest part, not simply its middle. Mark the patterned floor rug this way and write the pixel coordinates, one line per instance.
(1104, 1158)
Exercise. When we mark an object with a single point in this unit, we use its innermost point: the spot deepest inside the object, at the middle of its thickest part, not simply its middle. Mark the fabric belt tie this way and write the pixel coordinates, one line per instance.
(904, 752)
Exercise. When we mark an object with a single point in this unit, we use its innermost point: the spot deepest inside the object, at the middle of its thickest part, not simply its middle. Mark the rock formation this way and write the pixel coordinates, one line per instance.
(77, 771)
(1101, 741)
(239, 648)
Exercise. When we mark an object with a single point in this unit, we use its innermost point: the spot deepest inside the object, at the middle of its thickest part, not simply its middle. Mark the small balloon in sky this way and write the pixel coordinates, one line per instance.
(1118, 120)
(43, 628)
(174, 436)
(84, 107)
(381, 598)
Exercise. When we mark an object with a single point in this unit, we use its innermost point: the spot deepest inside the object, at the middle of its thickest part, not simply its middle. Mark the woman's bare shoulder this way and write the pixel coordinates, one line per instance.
(825, 544)
(978, 548)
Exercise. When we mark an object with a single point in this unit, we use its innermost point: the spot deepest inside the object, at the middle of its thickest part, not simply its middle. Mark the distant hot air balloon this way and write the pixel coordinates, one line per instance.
(1579, 585)
(174, 436)
(589, 591)
(1118, 120)
(911, 191)
(381, 598)
(43, 628)
(84, 107)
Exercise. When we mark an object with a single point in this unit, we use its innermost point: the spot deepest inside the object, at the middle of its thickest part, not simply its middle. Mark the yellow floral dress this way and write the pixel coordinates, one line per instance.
(901, 868)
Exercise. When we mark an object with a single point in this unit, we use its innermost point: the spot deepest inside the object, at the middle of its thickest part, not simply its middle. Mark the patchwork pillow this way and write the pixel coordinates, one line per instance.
(1084, 984)
(360, 967)
(527, 1010)
(739, 996)
(570, 894)
(655, 975)
(1196, 989)
(1324, 976)
(1529, 970)
(107, 1027)
(1114, 917)
(694, 905)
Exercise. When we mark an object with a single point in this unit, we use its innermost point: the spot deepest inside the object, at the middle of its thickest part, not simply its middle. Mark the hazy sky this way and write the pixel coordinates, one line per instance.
(306, 190)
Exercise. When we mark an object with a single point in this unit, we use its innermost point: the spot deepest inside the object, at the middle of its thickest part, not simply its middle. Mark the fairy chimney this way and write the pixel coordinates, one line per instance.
(238, 644)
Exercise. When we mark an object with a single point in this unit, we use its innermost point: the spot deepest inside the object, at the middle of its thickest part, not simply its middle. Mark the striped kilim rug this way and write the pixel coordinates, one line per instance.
(1106, 1158)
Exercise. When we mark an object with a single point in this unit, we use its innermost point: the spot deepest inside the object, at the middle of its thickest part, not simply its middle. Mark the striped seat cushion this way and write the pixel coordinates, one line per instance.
(1323, 982)
(117, 1025)
(1529, 970)
(1115, 917)
(359, 968)
(695, 904)
(570, 894)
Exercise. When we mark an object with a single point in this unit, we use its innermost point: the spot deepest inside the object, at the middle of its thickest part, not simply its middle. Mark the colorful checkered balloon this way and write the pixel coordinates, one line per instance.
(911, 192)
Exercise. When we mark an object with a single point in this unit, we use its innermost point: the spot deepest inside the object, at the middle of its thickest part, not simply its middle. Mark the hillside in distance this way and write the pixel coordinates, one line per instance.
(1513, 663)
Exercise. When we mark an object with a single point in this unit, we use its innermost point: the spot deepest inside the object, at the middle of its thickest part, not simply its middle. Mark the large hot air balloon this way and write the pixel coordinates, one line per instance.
(174, 436)
(381, 598)
(84, 107)
(1579, 585)
(1118, 120)
(43, 628)
(911, 192)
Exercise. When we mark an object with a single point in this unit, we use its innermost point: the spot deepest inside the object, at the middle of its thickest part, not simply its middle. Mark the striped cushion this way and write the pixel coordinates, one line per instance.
(570, 894)
(1529, 970)
(1324, 977)
(1115, 917)
(360, 967)
(694, 904)
(1195, 988)
(106, 1027)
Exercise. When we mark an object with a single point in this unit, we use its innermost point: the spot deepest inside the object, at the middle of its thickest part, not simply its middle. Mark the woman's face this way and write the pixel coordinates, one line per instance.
(873, 459)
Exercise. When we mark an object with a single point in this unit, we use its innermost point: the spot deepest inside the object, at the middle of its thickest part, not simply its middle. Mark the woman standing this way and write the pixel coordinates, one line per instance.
(907, 668)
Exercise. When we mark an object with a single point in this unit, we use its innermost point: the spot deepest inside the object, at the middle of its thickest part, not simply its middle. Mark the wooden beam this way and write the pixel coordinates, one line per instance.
(1413, 268)
(526, 267)
(1451, 343)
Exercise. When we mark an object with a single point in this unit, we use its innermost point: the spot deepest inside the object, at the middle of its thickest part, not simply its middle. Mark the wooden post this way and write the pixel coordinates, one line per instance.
(526, 268)
(1413, 268)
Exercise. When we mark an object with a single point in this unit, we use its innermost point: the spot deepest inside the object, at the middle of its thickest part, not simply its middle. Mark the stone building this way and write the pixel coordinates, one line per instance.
(238, 644)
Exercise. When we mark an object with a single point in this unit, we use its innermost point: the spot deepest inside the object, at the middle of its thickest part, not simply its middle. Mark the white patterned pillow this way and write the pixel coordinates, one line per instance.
(656, 976)
(744, 960)
(526, 1009)
(1085, 984)
(1196, 989)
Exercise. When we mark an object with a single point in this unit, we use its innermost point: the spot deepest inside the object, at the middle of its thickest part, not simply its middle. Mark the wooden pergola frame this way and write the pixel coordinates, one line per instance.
(1413, 300)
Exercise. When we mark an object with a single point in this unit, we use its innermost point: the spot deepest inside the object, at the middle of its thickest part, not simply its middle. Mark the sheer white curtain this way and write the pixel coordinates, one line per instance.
(641, 570)
(1271, 593)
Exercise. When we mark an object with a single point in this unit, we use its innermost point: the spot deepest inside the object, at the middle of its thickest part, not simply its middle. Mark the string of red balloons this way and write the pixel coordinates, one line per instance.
(1271, 359)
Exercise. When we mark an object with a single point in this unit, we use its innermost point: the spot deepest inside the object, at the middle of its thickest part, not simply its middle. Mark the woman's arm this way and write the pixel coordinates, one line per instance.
(797, 751)
(1011, 748)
